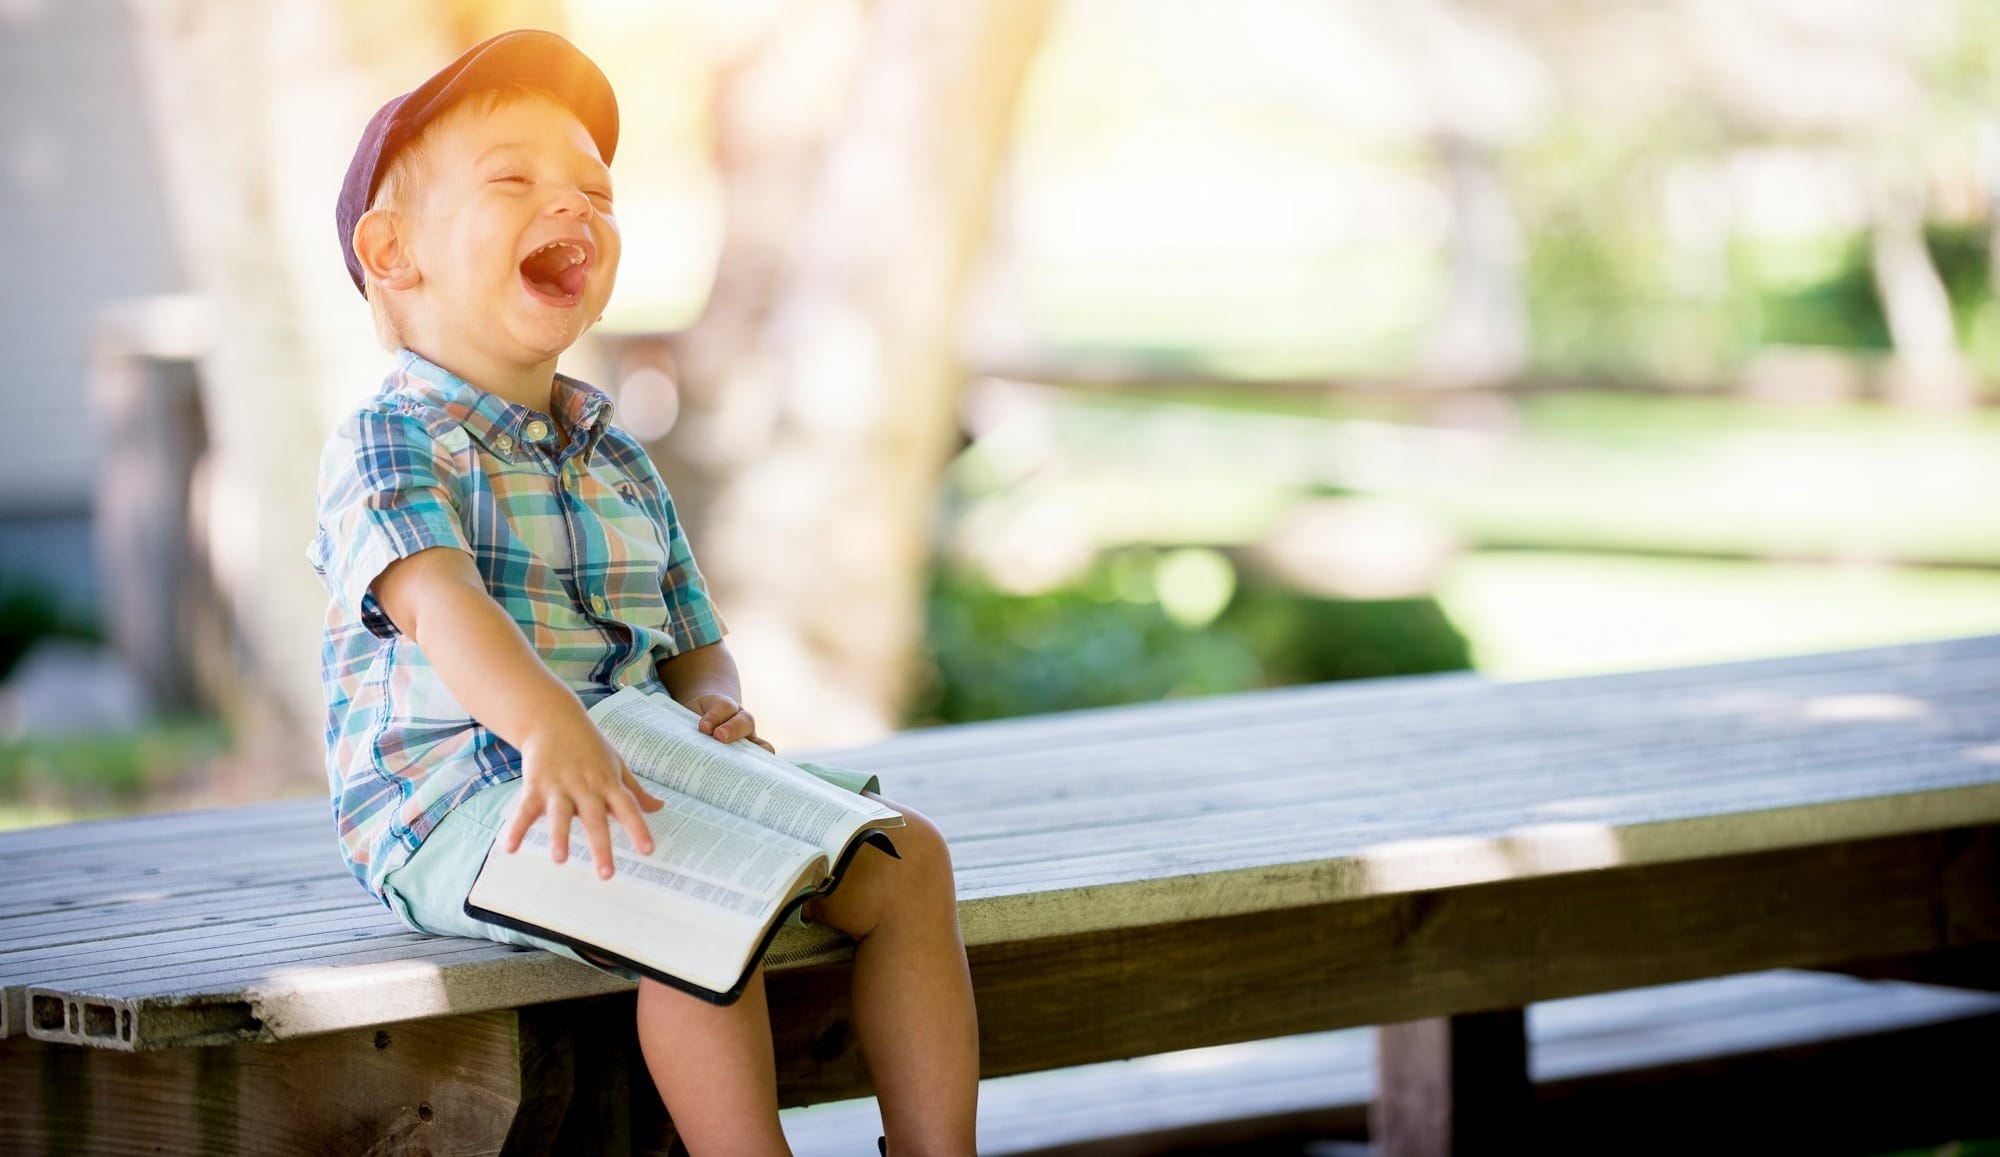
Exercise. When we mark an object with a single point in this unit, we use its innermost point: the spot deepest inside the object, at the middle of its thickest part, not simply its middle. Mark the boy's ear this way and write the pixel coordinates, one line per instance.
(381, 248)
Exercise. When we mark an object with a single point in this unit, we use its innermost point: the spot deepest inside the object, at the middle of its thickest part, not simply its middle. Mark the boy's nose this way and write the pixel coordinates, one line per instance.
(574, 203)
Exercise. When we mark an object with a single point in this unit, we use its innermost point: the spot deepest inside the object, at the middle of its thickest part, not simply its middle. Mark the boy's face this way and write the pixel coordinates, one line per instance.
(513, 233)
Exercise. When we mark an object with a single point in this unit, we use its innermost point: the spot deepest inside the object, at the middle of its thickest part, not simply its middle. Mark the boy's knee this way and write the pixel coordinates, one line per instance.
(922, 846)
(920, 874)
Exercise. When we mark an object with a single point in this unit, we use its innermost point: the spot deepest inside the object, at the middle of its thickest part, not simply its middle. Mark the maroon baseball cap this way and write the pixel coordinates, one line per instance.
(529, 55)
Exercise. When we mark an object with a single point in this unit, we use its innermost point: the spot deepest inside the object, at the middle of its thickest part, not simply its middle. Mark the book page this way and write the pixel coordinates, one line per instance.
(696, 907)
(699, 851)
(662, 743)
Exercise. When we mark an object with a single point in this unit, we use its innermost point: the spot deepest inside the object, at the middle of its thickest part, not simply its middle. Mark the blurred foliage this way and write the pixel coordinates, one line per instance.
(1835, 305)
(31, 611)
(1839, 307)
(85, 770)
(1600, 302)
(995, 654)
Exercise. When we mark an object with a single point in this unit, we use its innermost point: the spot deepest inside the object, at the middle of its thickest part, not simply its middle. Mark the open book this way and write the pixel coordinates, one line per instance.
(745, 837)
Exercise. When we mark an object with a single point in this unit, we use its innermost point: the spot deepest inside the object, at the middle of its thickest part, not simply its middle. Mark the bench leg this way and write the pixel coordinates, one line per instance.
(1453, 1086)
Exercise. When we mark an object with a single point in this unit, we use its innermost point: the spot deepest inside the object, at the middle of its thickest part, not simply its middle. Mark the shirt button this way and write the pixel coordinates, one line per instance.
(503, 443)
(597, 603)
(536, 430)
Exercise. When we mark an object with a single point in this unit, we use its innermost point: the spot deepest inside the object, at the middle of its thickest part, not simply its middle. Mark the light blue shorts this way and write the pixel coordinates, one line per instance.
(428, 891)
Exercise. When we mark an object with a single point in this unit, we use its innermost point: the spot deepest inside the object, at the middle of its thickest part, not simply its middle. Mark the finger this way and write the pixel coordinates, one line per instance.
(736, 727)
(763, 743)
(720, 707)
(598, 833)
(647, 800)
(526, 807)
(627, 811)
(560, 812)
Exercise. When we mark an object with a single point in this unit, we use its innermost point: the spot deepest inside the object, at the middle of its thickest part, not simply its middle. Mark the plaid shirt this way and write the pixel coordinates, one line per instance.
(582, 548)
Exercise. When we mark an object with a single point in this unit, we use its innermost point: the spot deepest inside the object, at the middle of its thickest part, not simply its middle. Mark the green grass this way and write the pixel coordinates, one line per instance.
(56, 778)
(1599, 471)
(1548, 614)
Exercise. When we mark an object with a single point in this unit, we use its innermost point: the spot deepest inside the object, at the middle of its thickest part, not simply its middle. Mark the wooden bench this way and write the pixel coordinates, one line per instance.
(1432, 854)
(1748, 1064)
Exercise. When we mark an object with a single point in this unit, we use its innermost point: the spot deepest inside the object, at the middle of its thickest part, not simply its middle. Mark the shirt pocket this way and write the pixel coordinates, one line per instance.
(632, 577)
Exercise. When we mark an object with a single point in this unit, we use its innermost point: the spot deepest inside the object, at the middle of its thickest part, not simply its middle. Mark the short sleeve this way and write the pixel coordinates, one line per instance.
(385, 492)
(695, 619)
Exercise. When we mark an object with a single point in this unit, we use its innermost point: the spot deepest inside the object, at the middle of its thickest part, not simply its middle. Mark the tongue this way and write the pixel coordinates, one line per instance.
(550, 272)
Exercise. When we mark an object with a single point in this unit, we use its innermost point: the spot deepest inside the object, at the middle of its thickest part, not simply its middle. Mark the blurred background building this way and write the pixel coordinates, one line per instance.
(1024, 355)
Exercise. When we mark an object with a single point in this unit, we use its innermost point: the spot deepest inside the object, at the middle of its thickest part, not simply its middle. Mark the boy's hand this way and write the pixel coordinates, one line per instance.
(725, 719)
(571, 771)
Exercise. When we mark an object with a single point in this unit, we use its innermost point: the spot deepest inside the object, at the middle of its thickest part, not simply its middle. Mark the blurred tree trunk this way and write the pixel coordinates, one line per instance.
(1480, 338)
(859, 150)
(245, 95)
(1928, 370)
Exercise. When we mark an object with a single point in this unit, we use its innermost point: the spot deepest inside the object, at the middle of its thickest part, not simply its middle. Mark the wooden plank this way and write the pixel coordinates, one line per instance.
(374, 984)
(1311, 826)
(1123, 785)
(137, 917)
(1479, 705)
(164, 869)
(1490, 733)
(1515, 739)
(80, 931)
(1158, 888)
(496, 1082)
(1069, 811)
(1453, 1086)
(195, 824)
(205, 969)
(1550, 770)
(1319, 1085)
(928, 747)
(289, 952)
(975, 855)
(1261, 866)
(1464, 710)
(296, 988)
(1107, 995)
(999, 920)
(159, 868)
(171, 952)
(1184, 784)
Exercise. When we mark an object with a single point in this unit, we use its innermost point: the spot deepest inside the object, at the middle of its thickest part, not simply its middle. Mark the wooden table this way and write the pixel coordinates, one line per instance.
(1429, 853)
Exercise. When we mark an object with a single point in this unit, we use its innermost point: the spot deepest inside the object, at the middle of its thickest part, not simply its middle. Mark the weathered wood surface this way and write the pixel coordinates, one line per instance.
(1371, 804)
(1321, 1085)
(446, 1085)
(1505, 944)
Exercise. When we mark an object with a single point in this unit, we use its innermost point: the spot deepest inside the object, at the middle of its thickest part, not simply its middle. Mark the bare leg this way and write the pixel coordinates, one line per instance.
(714, 1068)
(913, 1005)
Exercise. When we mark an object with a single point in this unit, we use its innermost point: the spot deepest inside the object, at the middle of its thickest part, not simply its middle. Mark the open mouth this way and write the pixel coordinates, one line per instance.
(556, 271)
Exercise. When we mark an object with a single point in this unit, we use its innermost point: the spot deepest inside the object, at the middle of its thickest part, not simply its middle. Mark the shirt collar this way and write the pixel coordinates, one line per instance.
(501, 425)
